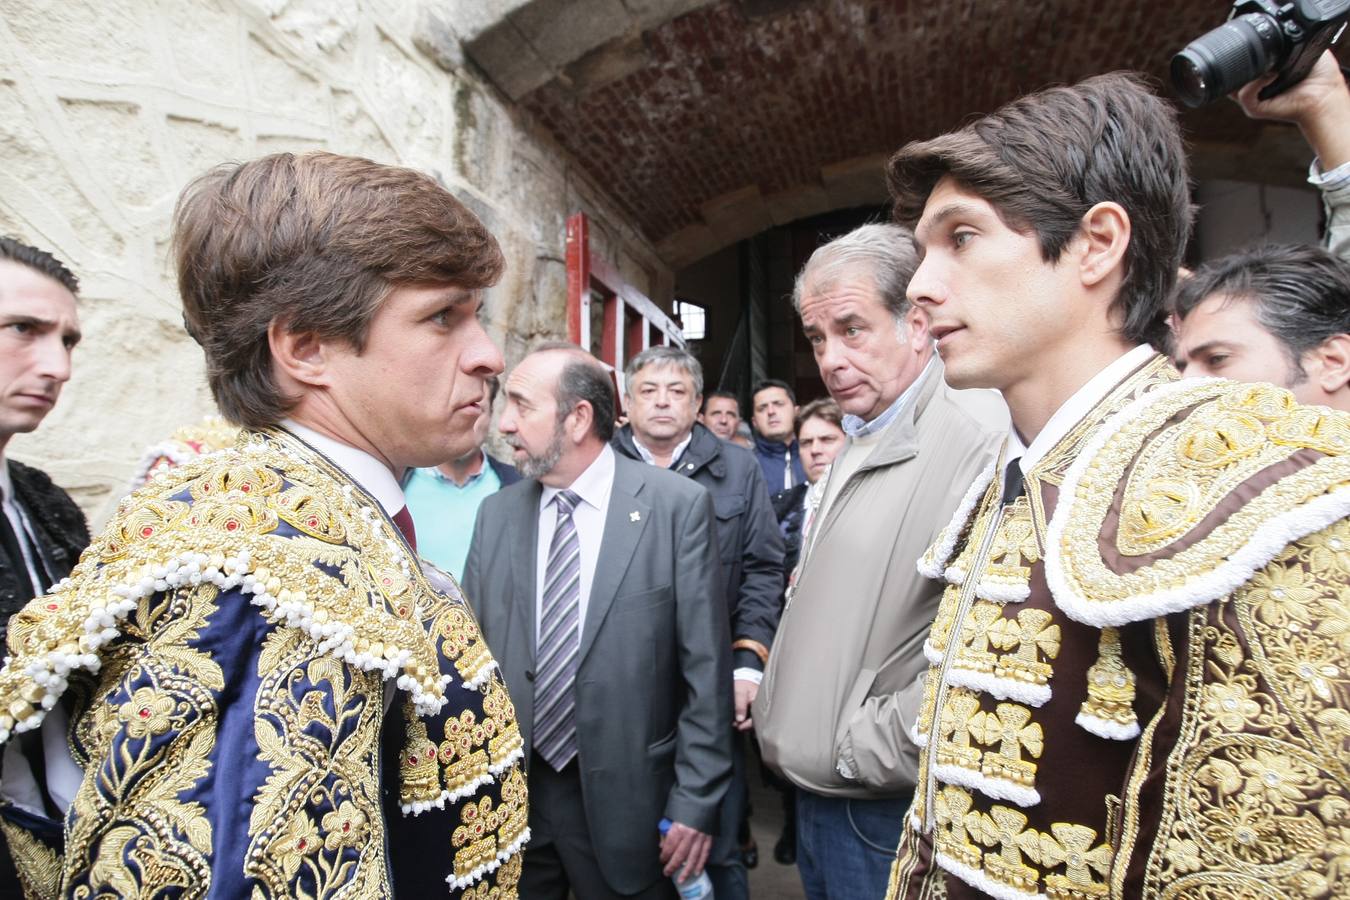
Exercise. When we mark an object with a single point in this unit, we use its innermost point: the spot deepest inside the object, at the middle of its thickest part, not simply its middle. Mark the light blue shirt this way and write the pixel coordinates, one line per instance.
(856, 426)
(443, 513)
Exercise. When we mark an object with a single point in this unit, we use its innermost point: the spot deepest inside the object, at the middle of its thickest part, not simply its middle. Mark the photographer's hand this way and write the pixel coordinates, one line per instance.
(1319, 105)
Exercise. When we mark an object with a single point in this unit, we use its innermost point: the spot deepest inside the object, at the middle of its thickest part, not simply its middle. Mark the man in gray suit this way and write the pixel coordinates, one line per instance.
(595, 580)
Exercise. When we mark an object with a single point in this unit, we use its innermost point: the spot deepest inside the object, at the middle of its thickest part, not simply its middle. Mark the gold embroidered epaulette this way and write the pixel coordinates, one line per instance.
(1211, 480)
(935, 562)
(215, 520)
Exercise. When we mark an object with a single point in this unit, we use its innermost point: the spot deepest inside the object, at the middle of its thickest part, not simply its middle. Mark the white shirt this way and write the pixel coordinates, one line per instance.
(593, 486)
(650, 460)
(360, 466)
(1072, 411)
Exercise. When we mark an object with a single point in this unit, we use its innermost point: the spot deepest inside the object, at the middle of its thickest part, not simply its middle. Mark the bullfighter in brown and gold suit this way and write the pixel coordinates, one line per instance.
(1140, 670)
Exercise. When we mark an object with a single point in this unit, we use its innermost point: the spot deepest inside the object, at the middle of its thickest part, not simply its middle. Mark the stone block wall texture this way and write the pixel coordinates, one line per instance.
(109, 107)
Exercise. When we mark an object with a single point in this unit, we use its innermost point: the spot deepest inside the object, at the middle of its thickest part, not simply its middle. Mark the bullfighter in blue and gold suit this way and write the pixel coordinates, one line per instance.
(260, 689)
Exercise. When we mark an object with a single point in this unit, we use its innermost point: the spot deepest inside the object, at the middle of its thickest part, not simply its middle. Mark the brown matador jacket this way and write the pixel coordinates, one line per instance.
(1140, 670)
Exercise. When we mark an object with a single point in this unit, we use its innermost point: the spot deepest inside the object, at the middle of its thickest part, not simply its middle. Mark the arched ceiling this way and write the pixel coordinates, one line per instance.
(709, 121)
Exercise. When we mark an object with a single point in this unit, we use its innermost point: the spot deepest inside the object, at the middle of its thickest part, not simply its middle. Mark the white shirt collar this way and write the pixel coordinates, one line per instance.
(592, 485)
(650, 460)
(363, 468)
(1071, 412)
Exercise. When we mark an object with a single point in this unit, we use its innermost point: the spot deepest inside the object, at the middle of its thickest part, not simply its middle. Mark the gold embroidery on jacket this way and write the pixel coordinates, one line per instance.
(316, 821)
(38, 866)
(485, 831)
(504, 740)
(940, 634)
(1193, 465)
(153, 578)
(1034, 639)
(996, 846)
(954, 748)
(1180, 474)
(1085, 861)
(1257, 798)
(1015, 549)
(1022, 649)
(419, 770)
(975, 638)
(1005, 830)
(1110, 685)
(1009, 728)
(130, 834)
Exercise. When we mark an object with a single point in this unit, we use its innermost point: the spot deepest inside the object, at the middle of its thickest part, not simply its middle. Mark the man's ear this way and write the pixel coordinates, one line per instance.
(917, 322)
(299, 356)
(1331, 363)
(1104, 238)
(579, 421)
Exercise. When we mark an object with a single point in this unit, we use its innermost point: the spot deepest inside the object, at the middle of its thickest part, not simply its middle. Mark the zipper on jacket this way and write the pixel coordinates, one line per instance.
(953, 642)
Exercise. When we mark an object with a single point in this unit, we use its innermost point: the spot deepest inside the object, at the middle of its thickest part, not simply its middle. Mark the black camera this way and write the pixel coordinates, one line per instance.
(1260, 35)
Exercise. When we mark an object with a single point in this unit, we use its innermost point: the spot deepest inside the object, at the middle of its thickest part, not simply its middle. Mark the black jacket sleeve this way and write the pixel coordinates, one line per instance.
(758, 606)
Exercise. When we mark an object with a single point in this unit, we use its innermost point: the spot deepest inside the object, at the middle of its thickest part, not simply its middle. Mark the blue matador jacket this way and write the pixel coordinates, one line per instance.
(268, 697)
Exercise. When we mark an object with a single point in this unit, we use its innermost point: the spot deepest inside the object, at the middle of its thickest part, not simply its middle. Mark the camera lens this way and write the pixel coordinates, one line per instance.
(1226, 58)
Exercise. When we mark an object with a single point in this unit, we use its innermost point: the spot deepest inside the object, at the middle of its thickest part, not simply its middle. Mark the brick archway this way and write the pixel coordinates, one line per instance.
(711, 120)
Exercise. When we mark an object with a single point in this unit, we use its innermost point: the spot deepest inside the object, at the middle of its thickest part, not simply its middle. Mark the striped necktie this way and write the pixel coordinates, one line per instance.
(555, 727)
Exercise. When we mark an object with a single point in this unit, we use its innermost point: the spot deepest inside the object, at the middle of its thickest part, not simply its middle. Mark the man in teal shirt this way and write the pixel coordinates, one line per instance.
(444, 500)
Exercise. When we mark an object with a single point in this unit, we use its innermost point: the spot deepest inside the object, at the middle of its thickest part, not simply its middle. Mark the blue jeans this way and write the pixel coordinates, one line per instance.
(845, 847)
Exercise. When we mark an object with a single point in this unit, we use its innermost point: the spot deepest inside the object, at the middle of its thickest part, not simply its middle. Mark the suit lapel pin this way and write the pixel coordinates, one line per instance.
(635, 516)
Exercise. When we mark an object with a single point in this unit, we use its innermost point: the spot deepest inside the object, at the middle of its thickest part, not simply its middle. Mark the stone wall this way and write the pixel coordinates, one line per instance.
(109, 107)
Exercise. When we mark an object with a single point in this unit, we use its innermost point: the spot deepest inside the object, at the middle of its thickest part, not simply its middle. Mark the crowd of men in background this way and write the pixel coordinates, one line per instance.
(665, 600)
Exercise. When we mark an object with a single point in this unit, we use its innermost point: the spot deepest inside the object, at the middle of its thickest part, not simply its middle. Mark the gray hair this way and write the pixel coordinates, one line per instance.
(660, 357)
(882, 251)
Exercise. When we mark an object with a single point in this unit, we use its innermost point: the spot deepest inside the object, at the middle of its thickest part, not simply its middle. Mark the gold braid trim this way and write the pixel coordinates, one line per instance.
(1181, 450)
(361, 608)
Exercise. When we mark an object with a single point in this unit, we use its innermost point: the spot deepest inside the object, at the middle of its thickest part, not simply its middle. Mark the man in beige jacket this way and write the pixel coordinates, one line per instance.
(840, 690)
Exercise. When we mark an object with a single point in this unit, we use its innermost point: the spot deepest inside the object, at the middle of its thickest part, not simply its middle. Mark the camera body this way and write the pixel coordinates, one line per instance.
(1259, 36)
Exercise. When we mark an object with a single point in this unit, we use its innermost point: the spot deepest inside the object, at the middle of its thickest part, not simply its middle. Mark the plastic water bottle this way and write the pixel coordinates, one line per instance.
(699, 888)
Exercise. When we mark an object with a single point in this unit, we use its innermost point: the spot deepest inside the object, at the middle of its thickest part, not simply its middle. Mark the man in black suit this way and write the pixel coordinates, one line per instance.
(42, 531)
(596, 582)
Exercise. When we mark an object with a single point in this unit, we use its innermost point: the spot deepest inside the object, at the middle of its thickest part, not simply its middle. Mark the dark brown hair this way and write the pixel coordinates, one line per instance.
(39, 261)
(317, 241)
(1301, 294)
(1044, 160)
(821, 408)
(583, 379)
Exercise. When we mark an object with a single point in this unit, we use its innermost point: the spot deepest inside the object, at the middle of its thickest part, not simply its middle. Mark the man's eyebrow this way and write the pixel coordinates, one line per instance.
(40, 323)
(957, 208)
(455, 296)
(1208, 345)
